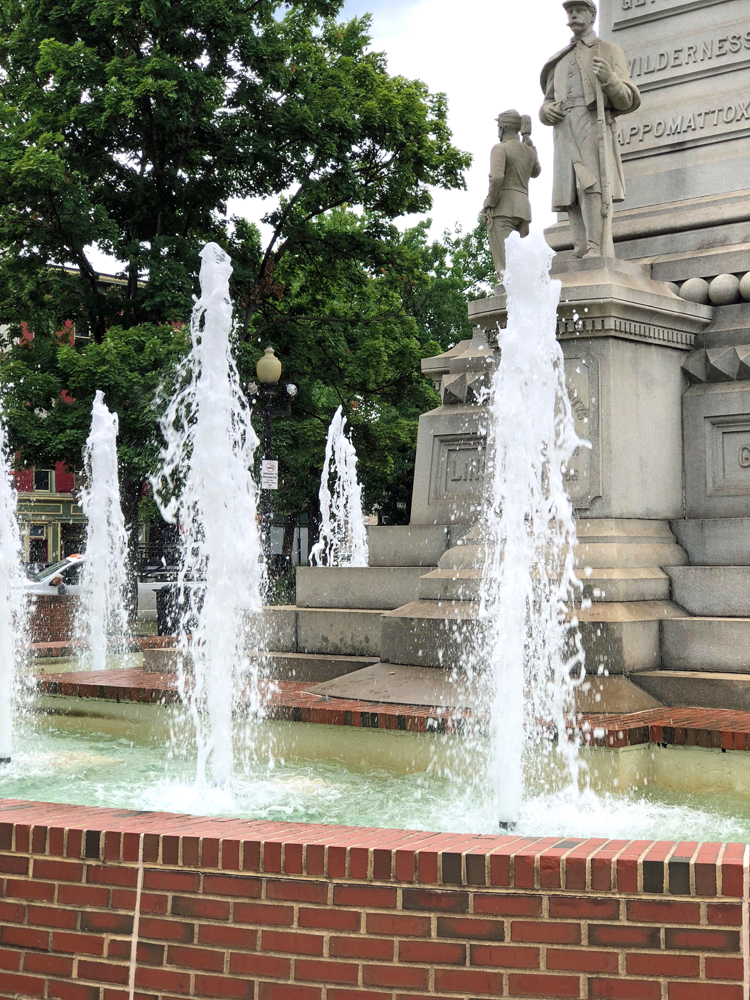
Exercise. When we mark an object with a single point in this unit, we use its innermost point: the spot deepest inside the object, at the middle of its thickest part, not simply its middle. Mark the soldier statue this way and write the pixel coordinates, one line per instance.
(512, 163)
(586, 86)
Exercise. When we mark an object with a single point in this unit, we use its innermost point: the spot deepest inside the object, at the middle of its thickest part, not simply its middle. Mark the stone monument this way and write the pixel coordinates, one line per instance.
(513, 163)
(657, 360)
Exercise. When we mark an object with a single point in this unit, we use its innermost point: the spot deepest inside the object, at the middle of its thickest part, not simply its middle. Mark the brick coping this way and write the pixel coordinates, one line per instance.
(720, 729)
(285, 701)
(69, 647)
(369, 854)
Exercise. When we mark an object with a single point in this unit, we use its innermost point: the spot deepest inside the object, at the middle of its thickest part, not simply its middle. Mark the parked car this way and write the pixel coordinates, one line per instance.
(69, 569)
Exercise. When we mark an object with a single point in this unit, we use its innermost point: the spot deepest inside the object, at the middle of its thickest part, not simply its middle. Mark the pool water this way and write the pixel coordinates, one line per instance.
(328, 774)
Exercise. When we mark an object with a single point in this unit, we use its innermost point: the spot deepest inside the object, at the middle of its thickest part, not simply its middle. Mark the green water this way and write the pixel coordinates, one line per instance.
(325, 774)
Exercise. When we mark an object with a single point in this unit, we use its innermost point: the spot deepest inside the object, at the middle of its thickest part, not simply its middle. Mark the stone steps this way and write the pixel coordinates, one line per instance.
(712, 591)
(409, 544)
(706, 644)
(314, 668)
(715, 541)
(381, 588)
(606, 585)
(430, 633)
(619, 637)
(626, 584)
(687, 688)
(338, 631)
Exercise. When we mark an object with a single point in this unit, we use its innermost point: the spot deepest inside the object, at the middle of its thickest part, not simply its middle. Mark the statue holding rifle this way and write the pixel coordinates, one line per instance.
(586, 87)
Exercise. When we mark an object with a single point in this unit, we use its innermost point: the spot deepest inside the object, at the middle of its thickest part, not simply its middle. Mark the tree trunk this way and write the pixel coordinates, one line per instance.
(130, 498)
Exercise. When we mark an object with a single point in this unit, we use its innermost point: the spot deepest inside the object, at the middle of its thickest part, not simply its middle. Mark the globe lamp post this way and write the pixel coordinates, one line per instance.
(268, 370)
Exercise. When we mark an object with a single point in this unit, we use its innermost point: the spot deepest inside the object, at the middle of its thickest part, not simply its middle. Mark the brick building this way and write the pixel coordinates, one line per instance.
(51, 521)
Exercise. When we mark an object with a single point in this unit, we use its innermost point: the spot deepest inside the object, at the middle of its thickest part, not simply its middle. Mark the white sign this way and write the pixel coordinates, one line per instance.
(269, 474)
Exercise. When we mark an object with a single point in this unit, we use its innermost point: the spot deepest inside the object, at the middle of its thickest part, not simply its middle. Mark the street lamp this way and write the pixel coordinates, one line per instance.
(268, 370)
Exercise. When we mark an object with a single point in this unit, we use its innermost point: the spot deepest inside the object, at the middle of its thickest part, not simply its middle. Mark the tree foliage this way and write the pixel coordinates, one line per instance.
(361, 306)
(131, 125)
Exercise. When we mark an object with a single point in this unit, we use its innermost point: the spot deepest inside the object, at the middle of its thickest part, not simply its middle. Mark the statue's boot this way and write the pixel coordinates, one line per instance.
(577, 230)
(593, 222)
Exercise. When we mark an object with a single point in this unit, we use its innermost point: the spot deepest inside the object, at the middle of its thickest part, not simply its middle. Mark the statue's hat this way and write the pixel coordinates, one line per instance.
(578, 3)
(509, 119)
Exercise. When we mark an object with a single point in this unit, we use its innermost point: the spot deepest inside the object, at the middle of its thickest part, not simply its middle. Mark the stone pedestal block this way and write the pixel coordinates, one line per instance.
(339, 631)
(624, 337)
(706, 645)
(623, 638)
(431, 633)
(687, 688)
(449, 467)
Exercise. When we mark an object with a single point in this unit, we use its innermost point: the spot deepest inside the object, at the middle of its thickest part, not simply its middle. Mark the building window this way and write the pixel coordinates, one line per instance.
(43, 480)
(38, 552)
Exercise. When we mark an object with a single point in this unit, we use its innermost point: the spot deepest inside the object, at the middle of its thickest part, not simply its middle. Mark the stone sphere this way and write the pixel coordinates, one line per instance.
(745, 287)
(724, 289)
(695, 290)
(673, 287)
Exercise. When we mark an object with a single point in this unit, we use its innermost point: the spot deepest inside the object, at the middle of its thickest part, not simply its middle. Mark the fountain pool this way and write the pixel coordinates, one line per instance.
(320, 849)
(110, 754)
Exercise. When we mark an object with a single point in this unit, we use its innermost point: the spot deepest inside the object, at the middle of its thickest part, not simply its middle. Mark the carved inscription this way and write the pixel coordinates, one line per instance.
(458, 466)
(464, 466)
(694, 123)
(744, 456)
(698, 56)
(627, 12)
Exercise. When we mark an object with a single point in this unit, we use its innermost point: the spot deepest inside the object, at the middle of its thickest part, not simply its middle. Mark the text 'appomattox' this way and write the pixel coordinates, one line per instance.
(685, 126)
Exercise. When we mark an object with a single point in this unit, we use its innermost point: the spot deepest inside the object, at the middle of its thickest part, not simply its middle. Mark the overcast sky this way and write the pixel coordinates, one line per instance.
(486, 55)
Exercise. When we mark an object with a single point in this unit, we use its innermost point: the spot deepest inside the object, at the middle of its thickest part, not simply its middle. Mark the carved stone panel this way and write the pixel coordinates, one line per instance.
(583, 478)
(458, 466)
(717, 450)
(728, 455)
(629, 12)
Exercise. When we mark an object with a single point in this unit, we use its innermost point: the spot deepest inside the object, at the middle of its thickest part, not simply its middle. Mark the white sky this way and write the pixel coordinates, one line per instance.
(486, 55)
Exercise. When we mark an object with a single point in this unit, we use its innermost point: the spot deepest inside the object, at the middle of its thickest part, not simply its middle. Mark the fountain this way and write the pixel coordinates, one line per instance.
(104, 581)
(528, 581)
(343, 533)
(206, 487)
(11, 610)
(634, 400)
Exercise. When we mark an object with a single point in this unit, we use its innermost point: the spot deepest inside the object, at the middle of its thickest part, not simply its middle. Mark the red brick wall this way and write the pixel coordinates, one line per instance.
(24, 479)
(270, 911)
(63, 479)
(52, 617)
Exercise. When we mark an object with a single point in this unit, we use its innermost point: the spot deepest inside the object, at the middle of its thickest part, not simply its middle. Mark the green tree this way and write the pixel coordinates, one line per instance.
(357, 309)
(130, 125)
